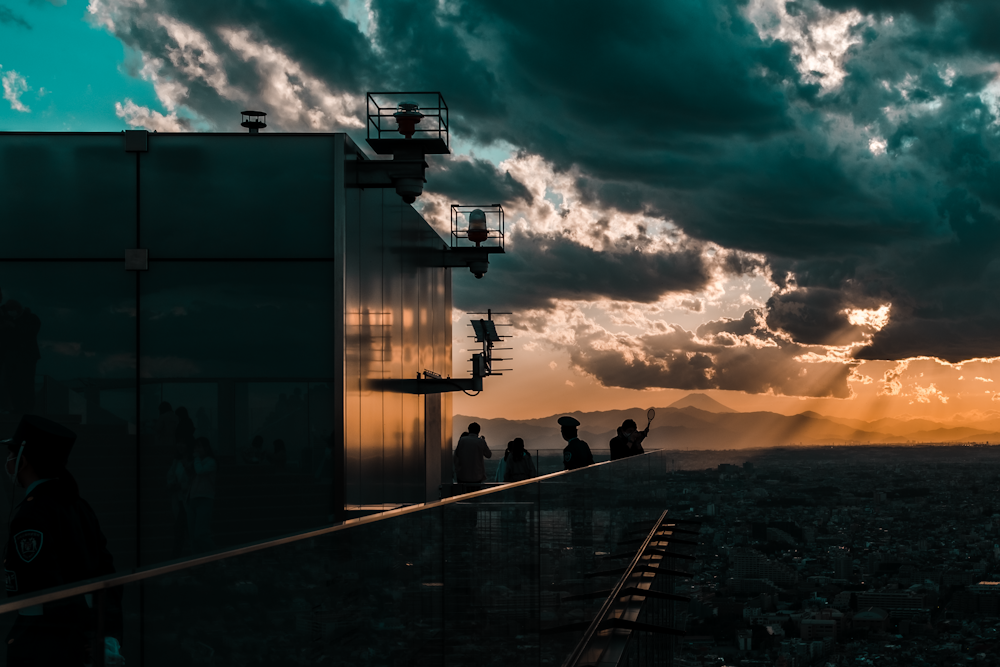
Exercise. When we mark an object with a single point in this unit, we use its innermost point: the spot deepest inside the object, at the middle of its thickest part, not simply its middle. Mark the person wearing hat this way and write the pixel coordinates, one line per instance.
(576, 454)
(628, 442)
(54, 539)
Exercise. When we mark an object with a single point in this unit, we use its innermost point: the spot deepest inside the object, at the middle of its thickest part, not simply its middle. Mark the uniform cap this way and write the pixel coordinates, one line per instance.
(46, 443)
(568, 421)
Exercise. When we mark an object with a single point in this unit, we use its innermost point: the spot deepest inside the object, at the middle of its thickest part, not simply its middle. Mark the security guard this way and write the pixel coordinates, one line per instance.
(54, 539)
(576, 454)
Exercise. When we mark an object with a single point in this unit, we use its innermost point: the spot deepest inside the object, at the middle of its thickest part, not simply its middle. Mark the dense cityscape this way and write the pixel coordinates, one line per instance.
(844, 556)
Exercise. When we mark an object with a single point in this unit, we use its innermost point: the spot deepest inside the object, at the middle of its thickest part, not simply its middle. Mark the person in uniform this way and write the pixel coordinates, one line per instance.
(54, 539)
(576, 454)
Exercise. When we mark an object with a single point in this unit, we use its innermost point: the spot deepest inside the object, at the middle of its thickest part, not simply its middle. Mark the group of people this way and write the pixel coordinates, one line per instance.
(190, 481)
(517, 465)
(256, 455)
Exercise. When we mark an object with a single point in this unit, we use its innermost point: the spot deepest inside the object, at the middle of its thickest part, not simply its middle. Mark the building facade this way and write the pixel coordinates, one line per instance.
(231, 287)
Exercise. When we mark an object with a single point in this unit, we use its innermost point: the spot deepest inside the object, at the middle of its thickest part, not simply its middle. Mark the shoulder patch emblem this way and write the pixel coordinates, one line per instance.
(28, 544)
(11, 578)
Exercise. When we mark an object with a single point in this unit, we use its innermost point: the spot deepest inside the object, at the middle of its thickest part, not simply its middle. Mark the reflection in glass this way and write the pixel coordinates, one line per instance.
(266, 197)
(74, 197)
(240, 355)
(67, 352)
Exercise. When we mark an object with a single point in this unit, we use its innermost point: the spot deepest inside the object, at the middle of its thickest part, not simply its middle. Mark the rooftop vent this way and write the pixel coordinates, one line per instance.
(253, 120)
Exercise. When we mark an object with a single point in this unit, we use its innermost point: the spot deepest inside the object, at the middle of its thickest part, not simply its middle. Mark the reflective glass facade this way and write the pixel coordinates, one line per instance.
(273, 302)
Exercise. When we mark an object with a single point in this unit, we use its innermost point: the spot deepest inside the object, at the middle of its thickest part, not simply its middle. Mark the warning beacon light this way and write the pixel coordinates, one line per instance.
(481, 225)
(407, 116)
(477, 227)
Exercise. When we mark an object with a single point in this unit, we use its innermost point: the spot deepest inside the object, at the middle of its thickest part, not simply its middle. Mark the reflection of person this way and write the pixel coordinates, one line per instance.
(166, 426)
(19, 338)
(628, 442)
(517, 462)
(255, 454)
(185, 427)
(469, 454)
(576, 454)
(55, 539)
(278, 457)
(202, 496)
(180, 474)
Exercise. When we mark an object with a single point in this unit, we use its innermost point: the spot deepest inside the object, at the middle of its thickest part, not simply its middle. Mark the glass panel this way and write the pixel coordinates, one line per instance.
(587, 516)
(68, 353)
(66, 195)
(234, 353)
(369, 595)
(243, 195)
(476, 580)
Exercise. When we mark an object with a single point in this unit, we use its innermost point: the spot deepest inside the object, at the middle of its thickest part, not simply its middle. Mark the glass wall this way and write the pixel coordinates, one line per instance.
(482, 579)
(206, 389)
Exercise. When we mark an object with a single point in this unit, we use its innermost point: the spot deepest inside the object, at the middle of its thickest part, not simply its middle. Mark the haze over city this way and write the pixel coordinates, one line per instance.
(788, 207)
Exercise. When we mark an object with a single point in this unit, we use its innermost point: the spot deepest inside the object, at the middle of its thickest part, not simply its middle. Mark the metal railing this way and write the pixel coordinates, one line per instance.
(608, 636)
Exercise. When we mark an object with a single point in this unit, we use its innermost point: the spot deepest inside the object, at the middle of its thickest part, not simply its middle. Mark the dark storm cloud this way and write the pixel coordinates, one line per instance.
(327, 45)
(584, 86)
(546, 267)
(541, 268)
(8, 16)
(968, 24)
(737, 355)
(680, 111)
(476, 180)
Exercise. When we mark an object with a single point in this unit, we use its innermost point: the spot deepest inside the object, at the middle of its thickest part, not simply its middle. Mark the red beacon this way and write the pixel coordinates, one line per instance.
(407, 116)
(477, 227)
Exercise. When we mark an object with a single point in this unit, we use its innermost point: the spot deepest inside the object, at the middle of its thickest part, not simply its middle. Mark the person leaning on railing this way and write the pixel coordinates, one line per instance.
(469, 454)
(517, 463)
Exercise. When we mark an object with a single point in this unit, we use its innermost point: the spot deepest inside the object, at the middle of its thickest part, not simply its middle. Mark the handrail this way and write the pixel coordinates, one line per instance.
(604, 614)
(96, 584)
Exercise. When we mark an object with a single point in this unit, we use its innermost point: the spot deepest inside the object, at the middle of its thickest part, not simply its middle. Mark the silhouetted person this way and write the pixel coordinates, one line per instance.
(166, 426)
(628, 442)
(279, 456)
(255, 454)
(185, 427)
(180, 475)
(202, 497)
(19, 340)
(55, 539)
(518, 464)
(576, 454)
(469, 454)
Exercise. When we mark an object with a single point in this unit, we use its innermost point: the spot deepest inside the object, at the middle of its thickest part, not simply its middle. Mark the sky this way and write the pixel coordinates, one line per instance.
(787, 205)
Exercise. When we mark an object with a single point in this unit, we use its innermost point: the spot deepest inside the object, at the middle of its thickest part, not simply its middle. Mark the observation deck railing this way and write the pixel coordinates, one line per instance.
(474, 579)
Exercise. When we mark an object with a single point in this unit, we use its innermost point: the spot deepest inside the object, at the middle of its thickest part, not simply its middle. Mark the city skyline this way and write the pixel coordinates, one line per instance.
(786, 206)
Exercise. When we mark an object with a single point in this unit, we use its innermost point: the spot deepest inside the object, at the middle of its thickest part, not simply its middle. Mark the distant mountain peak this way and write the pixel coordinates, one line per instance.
(701, 402)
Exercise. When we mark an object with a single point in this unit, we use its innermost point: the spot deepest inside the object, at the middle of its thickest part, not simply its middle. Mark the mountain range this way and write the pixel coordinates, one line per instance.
(698, 421)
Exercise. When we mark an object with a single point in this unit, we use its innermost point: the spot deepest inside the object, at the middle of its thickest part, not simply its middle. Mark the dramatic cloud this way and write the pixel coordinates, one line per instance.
(139, 116)
(15, 85)
(740, 355)
(848, 150)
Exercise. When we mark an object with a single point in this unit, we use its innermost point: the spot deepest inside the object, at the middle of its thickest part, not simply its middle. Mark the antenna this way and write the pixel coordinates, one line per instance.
(486, 333)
